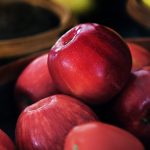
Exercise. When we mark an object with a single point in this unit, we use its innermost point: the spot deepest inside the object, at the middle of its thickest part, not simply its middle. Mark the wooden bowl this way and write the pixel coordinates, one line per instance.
(143, 41)
(139, 12)
(20, 46)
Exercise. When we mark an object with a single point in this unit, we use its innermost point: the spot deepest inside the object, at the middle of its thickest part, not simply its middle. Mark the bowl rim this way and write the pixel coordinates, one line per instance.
(24, 45)
(139, 12)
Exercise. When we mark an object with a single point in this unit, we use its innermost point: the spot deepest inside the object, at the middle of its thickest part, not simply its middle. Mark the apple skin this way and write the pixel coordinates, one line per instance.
(5, 142)
(90, 62)
(140, 56)
(100, 136)
(34, 83)
(146, 68)
(45, 124)
(132, 107)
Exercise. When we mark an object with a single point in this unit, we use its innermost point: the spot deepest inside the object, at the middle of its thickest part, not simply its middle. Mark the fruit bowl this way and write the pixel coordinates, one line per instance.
(8, 75)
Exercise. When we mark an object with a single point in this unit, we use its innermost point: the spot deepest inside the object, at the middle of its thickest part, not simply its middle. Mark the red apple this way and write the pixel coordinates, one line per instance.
(34, 83)
(90, 62)
(132, 108)
(5, 142)
(146, 68)
(45, 124)
(140, 56)
(100, 136)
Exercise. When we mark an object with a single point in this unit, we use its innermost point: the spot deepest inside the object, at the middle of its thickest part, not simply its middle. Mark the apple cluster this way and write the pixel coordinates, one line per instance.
(64, 96)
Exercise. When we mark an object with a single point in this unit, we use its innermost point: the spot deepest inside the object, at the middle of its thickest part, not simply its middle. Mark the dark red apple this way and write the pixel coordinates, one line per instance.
(90, 62)
(34, 83)
(100, 136)
(5, 142)
(132, 108)
(140, 56)
(45, 124)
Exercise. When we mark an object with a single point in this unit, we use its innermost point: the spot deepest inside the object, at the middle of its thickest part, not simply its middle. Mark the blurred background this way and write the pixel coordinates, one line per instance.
(125, 16)
(29, 28)
(128, 17)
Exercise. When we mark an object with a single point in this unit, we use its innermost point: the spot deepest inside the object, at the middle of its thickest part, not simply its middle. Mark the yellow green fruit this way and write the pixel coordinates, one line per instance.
(146, 2)
(77, 6)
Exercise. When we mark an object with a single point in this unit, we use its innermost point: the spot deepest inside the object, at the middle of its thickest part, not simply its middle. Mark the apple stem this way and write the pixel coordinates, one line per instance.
(75, 147)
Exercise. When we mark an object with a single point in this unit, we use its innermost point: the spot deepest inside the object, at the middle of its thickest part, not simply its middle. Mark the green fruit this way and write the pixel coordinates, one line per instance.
(146, 2)
(77, 6)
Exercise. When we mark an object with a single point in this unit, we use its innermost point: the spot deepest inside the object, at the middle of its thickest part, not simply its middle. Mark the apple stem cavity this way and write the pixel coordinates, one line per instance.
(71, 36)
(38, 106)
(65, 40)
(69, 39)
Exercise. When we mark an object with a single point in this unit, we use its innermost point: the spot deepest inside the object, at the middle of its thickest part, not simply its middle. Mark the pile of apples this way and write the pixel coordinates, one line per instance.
(64, 96)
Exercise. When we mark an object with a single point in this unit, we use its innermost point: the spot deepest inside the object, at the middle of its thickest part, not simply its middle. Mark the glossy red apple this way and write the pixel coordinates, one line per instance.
(90, 62)
(132, 108)
(34, 83)
(45, 124)
(100, 136)
(140, 56)
(5, 142)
